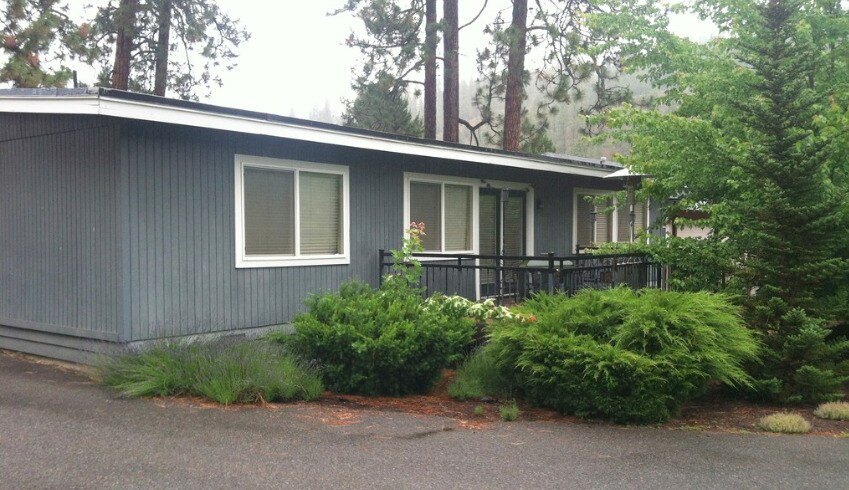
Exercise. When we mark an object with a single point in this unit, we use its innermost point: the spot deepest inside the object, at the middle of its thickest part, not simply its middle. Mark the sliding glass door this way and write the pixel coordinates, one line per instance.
(502, 232)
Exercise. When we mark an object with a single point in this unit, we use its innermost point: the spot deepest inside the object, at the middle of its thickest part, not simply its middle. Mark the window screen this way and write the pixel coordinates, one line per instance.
(458, 217)
(269, 206)
(585, 222)
(426, 207)
(587, 234)
(603, 222)
(514, 226)
(320, 213)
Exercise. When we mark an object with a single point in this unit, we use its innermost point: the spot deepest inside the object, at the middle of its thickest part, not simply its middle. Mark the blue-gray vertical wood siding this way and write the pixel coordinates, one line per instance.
(125, 231)
(181, 242)
(181, 275)
(58, 225)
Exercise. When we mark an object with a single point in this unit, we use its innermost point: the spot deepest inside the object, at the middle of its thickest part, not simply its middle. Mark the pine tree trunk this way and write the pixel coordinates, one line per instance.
(451, 78)
(162, 48)
(430, 70)
(125, 17)
(515, 71)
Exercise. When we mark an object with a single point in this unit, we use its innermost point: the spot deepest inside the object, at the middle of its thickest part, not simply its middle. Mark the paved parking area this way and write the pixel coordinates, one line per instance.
(58, 430)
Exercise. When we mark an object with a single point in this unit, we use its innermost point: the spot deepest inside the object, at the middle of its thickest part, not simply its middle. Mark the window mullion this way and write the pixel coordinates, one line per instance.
(243, 218)
(442, 216)
(297, 219)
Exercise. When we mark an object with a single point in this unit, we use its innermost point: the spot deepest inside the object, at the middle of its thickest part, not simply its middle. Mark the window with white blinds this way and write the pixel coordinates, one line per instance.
(446, 210)
(605, 226)
(426, 207)
(290, 213)
(592, 224)
(321, 213)
(458, 218)
(269, 211)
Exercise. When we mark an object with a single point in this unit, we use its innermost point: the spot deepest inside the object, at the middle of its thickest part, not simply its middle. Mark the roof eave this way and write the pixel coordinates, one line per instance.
(101, 103)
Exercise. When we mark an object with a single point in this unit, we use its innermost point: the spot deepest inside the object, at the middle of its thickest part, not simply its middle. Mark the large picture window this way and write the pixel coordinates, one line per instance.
(290, 213)
(447, 210)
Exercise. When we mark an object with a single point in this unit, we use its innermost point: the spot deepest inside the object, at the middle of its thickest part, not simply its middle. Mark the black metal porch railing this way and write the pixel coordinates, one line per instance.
(514, 277)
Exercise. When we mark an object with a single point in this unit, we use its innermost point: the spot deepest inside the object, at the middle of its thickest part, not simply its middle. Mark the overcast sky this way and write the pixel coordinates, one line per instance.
(296, 59)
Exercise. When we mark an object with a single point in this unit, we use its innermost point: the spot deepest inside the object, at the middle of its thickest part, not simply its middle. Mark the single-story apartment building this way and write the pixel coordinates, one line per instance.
(126, 218)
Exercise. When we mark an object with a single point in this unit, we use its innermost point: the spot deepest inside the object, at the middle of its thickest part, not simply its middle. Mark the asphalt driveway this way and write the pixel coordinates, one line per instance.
(58, 430)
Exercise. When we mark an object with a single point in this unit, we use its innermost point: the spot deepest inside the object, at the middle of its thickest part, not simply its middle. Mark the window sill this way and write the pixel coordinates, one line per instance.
(259, 263)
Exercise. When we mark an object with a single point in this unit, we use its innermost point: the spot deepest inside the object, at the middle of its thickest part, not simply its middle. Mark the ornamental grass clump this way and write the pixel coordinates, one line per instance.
(833, 411)
(224, 372)
(624, 356)
(481, 375)
(382, 341)
(785, 423)
(509, 412)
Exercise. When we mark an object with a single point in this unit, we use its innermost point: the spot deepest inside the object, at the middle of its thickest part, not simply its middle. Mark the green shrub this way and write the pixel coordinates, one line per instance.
(225, 372)
(629, 357)
(479, 411)
(785, 423)
(509, 412)
(541, 303)
(833, 411)
(481, 375)
(378, 341)
(694, 264)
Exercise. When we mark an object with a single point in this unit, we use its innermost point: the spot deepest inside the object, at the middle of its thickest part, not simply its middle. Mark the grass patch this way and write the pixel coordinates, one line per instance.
(480, 376)
(240, 372)
(479, 411)
(833, 411)
(785, 423)
(509, 411)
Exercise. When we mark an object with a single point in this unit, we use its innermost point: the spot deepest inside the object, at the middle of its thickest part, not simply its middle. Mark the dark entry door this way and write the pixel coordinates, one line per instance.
(502, 232)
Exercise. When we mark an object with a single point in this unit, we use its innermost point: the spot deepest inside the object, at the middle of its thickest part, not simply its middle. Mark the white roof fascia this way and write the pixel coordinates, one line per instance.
(146, 111)
(72, 104)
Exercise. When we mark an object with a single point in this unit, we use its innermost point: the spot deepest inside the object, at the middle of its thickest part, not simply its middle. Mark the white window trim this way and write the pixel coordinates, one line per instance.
(614, 216)
(476, 185)
(244, 261)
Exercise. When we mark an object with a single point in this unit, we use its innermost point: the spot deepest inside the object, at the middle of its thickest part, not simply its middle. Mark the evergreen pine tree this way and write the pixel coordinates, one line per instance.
(789, 209)
(382, 106)
(37, 40)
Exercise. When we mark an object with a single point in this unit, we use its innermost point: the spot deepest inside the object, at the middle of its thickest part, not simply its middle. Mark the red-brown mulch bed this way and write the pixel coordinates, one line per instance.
(713, 413)
(727, 415)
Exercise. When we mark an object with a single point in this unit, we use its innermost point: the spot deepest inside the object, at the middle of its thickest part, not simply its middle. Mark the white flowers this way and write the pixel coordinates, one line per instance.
(479, 311)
